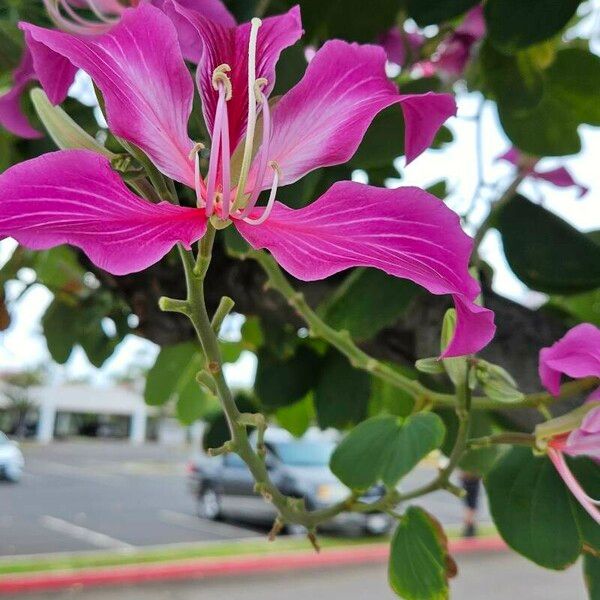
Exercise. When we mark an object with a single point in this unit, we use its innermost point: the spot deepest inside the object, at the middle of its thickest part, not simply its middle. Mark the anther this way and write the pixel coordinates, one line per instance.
(220, 76)
(196, 149)
(259, 84)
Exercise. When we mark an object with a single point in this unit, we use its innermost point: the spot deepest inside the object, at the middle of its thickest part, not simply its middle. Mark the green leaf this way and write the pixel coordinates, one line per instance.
(387, 398)
(350, 306)
(585, 307)
(514, 24)
(587, 473)
(283, 382)
(515, 81)
(339, 19)
(533, 510)
(591, 575)
(59, 269)
(175, 368)
(342, 393)
(297, 417)
(432, 12)
(574, 78)
(553, 256)
(385, 449)
(60, 328)
(550, 129)
(418, 564)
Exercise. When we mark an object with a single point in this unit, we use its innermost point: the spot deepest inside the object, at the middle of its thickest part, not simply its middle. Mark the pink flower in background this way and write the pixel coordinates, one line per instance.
(527, 164)
(105, 14)
(452, 54)
(12, 117)
(576, 354)
(74, 196)
(400, 45)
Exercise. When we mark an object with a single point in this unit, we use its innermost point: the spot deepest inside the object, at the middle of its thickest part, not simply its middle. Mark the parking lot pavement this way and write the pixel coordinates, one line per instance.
(94, 496)
(491, 576)
(79, 496)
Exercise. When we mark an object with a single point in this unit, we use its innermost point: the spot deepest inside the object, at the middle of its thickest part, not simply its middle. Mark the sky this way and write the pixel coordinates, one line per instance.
(23, 345)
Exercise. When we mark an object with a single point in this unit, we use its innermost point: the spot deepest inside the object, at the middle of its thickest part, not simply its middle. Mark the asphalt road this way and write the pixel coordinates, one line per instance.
(78, 496)
(489, 577)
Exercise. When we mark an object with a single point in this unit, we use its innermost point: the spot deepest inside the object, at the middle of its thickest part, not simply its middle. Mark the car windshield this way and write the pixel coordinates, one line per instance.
(304, 454)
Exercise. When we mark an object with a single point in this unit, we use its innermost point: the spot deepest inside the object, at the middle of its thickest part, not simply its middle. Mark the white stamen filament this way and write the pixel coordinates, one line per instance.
(198, 183)
(262, 159)
(214, 152)
(99, 13)
(271, 202)
(225, 166)
(247, 157)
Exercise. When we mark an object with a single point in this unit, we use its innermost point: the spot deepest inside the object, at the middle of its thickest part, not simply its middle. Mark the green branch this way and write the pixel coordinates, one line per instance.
(422, 395)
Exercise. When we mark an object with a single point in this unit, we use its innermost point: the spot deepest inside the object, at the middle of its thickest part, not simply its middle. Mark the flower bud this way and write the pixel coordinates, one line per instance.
(431, 366)
(62, 129)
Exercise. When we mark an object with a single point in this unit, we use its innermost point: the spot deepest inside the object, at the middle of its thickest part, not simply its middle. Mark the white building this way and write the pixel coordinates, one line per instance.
(50, 401)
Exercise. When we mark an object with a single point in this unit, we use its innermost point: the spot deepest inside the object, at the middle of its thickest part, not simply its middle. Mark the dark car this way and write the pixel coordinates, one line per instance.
(224, 486)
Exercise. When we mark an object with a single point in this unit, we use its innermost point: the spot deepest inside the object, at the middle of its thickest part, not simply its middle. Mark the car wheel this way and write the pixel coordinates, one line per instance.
(209, 504)
(13, 473)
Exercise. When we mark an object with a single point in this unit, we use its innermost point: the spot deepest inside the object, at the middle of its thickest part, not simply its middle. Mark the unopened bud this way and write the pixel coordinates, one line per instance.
(62, 129)
(431, 366)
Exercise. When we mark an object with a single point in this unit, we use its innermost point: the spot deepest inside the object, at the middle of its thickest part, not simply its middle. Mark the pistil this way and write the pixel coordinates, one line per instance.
(249, 142)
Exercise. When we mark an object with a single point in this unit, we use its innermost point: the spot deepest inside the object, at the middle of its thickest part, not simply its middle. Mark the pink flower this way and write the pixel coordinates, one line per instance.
(453, 53)
(74, 197)
(400, 45)
(107, 13)
(12, 117)
(559, 177)
(66, 16)
(576, 354)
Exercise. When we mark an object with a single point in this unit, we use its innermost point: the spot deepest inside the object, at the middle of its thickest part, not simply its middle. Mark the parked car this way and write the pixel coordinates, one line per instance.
(224, 487)
(11, 460)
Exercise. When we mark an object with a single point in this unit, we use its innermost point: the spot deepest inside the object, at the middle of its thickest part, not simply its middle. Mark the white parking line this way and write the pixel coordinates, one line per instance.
(82, 533)
(176, 518)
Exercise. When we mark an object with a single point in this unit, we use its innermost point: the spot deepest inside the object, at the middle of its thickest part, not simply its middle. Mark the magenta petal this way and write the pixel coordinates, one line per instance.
(588, 504)
(576, 354)
(74, 197)
(12, 117)
(405, 232)
(214, 10)
(322, 120)
(229, 45)
(560, 177)
(139, 68)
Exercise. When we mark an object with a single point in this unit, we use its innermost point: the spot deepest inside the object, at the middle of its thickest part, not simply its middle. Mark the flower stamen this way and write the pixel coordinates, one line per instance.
(271, 202)
(262, 157)
(215, 150)
(220, 76)
(198, 182)
(249, 142)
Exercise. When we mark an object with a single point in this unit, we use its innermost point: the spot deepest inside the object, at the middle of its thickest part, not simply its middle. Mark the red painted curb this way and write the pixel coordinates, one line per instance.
(201, 568)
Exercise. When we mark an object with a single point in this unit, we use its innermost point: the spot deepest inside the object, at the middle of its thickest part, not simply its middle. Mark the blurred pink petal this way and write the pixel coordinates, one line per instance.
(576, 354)
(12, 117)
(74, 197)
(559, 176)
(229, 45)
(405, 232)
(141, 73)
(585, 440)
(322, 120)
(588, 504)
(400, 45)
